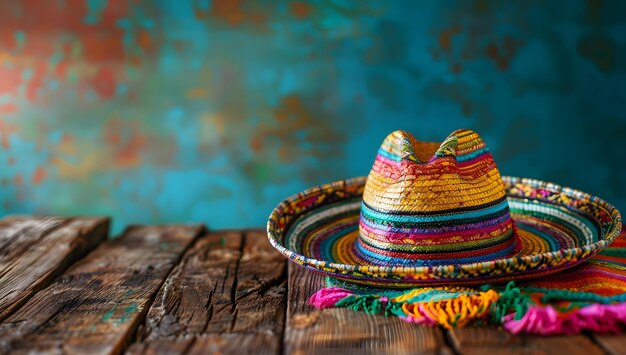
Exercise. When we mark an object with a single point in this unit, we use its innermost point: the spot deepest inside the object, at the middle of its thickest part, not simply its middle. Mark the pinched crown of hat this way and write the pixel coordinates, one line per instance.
(435, 204)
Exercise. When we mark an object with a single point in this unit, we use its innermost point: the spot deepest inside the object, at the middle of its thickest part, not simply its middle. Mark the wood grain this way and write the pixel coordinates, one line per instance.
(227, 294)
(227, 343)
(491, 340)
(338, 331)
(34, 250)
(17, 233)
(96, 305)
(611, 343)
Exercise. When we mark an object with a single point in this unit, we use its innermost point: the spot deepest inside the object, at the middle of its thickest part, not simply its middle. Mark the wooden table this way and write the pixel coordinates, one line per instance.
(64, 288)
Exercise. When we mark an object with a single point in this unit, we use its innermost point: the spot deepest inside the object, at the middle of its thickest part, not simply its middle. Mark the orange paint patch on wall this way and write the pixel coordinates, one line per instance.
(134, 60)
(7, 41)
(39, 175)
(196, 93)
(126, 143)
(67, 146)
(36, 81)
(11, 79)
(256, 144)
(228, 10)
(285, 154)
(7, 58)
(6, 130)
(232, 12)
(80, 170)
(300, 9)
(61, 68)
(104, 82)
(502, 54)
(8, 108)
(446, 36)
(298, 114)
(292, 110)
(77, 161)
(67, 138)
(101, 48)
(111, 132)
(145, 41)
(128, 155)
(38, 47)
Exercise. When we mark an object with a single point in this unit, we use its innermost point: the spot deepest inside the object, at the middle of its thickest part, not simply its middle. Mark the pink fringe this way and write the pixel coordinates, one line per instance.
(328, 297)
(602, 318)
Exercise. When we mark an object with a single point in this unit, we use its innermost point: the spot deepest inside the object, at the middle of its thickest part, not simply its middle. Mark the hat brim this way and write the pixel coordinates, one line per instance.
(559, 227)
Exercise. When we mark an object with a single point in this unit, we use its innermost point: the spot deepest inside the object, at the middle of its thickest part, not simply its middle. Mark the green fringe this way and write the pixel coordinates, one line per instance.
(370, 305)
(512, 298)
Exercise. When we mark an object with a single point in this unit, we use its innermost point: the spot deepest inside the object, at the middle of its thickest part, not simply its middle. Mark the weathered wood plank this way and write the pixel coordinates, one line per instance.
(233, 343)
(17, 233)
(227, 294)
(34, 250)
(475, 339)
(196, 295)
(491, 340)
(611, 343)
(311, 331)
(227, 343)
(261, 288)
(96, 305)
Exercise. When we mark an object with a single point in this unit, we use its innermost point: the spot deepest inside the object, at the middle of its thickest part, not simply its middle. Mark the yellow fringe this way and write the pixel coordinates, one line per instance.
(454, 312)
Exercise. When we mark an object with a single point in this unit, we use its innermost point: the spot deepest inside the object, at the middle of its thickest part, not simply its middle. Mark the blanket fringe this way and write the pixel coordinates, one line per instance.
(453, 312)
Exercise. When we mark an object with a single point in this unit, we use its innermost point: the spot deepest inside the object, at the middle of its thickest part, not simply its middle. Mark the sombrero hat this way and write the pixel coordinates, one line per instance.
(440, 214)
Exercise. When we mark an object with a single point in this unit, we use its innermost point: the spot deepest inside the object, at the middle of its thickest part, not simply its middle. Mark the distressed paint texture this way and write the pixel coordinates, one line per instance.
(213, 111)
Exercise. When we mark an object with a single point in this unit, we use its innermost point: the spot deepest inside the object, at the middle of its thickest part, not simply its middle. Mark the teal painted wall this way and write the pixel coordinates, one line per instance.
(214, 111)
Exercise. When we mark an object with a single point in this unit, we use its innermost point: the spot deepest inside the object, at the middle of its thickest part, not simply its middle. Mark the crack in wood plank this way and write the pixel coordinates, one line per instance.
(610, 343)
(264, 286)
(234, 298)
(450, 341)
(233, 288)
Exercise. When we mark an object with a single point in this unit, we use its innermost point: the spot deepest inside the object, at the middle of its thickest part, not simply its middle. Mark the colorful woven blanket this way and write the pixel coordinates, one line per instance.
(591, 296)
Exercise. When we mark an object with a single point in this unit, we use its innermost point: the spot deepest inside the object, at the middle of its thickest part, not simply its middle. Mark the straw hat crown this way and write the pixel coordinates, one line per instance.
(428, 204)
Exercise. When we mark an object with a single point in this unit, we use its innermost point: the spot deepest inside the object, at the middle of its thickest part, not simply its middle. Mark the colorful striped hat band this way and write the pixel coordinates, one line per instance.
(431, 214)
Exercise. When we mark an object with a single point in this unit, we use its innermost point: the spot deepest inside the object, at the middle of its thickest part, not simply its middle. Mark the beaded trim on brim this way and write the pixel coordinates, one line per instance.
(559, 228)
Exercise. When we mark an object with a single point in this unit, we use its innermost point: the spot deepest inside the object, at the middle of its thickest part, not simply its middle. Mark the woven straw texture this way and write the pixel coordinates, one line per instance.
(425, 204)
